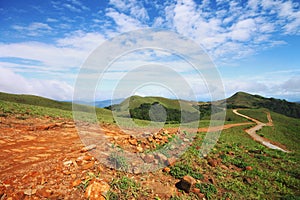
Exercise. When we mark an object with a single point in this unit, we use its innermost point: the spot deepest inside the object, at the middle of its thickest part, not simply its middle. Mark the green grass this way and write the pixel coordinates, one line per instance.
(25, 110)
(259, 114)
(286, 131)
(124, 188)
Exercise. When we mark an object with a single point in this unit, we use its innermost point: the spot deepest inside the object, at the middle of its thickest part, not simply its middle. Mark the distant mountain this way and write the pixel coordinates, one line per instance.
(101, 104)
(245, 100)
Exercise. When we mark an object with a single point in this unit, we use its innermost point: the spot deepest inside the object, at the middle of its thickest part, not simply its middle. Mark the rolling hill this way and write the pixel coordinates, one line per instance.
(245, 100)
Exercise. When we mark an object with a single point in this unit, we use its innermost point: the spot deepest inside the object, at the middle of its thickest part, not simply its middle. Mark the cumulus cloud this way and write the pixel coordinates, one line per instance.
(54, 89)
(231, 27)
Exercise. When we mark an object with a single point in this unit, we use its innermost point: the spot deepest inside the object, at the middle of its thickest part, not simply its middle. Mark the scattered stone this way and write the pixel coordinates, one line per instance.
(171, 161)
(198, 193)
(211, 180)
(2, 191)
(74, 163)
(30, 192)
(43, 192)
(139, 149)
(166, 169)
(248, 168)
(231, 153)
(212, 163)
(186, 140)
(186, 183)
(247, 180)
(88, 165)
(133, 142)
(76, 182)
(161, 157)
(224, 167)
(97, 190)
(88, 148)
(136, 170)
(68, 163)
(149, 158)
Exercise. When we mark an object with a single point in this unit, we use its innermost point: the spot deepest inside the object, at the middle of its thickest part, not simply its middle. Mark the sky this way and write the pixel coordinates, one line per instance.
(254, 45)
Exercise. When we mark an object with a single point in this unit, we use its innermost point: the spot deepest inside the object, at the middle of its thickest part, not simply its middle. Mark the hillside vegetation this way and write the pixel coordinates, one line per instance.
(245, 100)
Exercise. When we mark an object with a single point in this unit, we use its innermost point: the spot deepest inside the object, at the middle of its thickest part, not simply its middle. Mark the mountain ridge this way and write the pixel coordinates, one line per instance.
(238, 100)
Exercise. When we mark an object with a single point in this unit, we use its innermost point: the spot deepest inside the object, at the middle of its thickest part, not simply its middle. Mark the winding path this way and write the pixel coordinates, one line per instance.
(259, 125)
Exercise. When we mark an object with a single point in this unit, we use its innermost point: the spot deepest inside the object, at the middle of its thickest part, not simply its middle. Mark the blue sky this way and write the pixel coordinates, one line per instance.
(255, 44)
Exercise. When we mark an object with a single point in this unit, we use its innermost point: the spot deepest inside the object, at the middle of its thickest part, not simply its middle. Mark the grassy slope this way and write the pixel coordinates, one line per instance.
(259, 114)
(136, 101)
(274, 174)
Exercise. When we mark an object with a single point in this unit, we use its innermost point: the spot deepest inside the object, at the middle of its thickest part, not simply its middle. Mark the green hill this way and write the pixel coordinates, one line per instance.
(35, 100)
(35, 105)
(137, 101)
(245, 100)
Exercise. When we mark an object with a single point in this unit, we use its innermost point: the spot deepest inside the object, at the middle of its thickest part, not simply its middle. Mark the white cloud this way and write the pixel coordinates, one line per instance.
(54, 89)
(71, 7)
(124, 22)
(135, 8)
(243, 30)
(279, 84)
(34, 29)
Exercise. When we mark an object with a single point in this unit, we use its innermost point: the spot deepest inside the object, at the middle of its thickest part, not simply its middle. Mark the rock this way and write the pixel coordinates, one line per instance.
(18, 195)
(212, 162)
(133, 142)
(161, 157)
(212, 180)
(88, 148)
(185, 140)
(2, 191)
(97, 190)
(166, 169)
(198, 193)
(186, 183)
(76, 182)
(68, 163)
(139, 149)
(136, 170)
(73, 176)
(231, 153)
(149, 158)
(171, 161)
(88, 165)
(43, 192)
(248, 168)
(224, 167)
(30, 192)
(247, 180)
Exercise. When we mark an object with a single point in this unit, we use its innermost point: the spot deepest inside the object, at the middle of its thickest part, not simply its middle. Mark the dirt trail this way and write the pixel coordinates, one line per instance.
(259, 125)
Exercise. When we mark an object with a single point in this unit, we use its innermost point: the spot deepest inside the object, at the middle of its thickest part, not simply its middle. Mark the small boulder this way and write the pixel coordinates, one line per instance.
(97, 190)
(166, 169)
(186, 183)
(212, 162)
(149, 158)
(88, 148)
(171, 161)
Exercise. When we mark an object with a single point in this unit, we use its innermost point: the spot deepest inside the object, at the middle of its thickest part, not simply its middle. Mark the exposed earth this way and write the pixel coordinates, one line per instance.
(44, 158)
